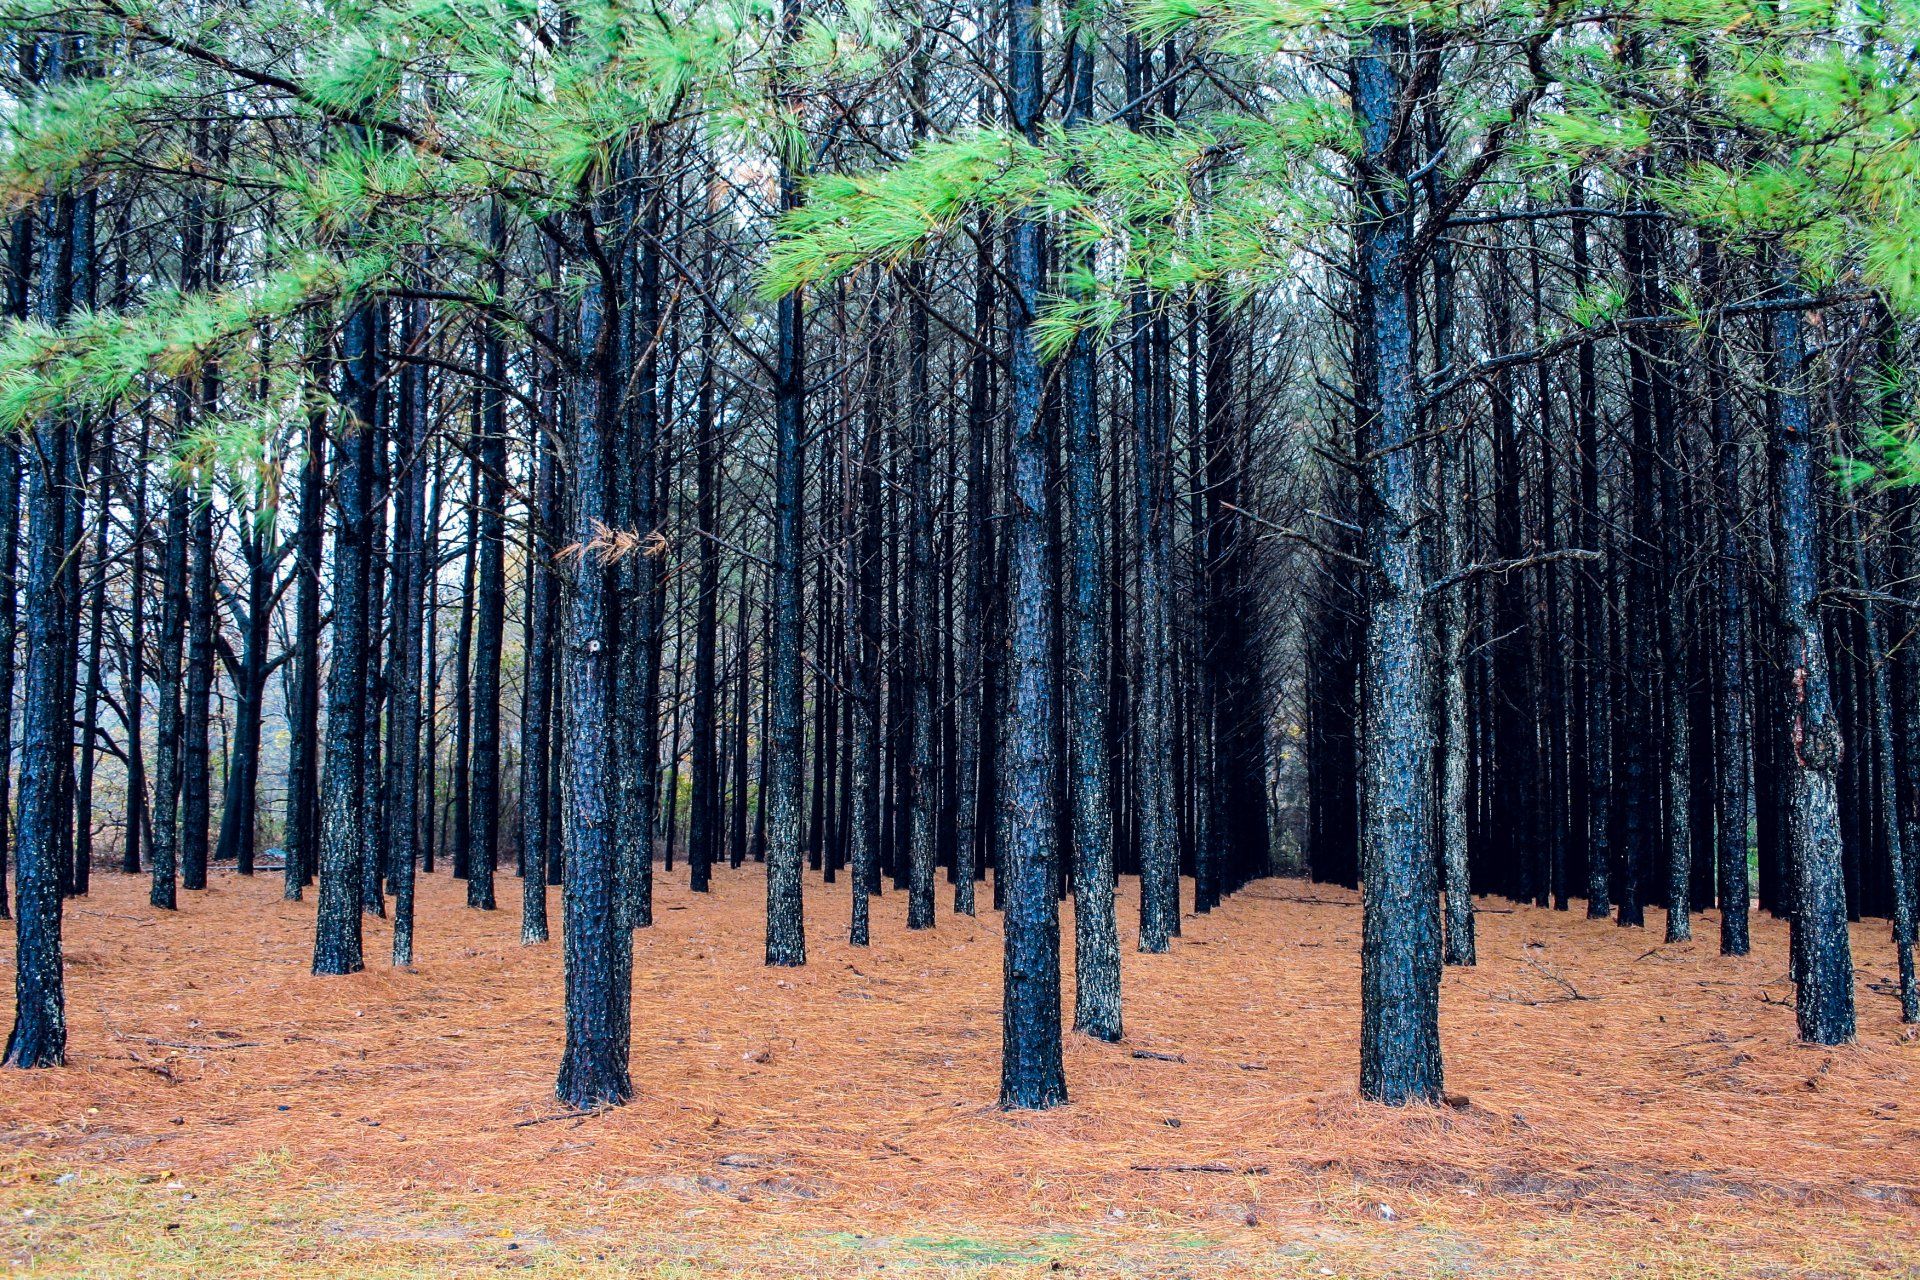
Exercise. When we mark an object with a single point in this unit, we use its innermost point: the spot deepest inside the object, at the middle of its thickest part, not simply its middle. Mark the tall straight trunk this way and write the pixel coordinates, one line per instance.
(923, 655)
(1548, 652)
(1731, 779)
(1096, 945)
(196, 783)
(1678, 842)
(1031, 1073)
(303, 758)
(166, 676)
(1514, 755)
(1904, 528)
(825, 715)
(74, 456)
(968, 827)
(670, 772)
(1883, 806)
(766, 726)
(39, 1034)
(1824, 959)
(430, 644)
(1456, 534)
(1120, 738)
(1590, 604)
(786, 926)
(1232, 622)
(90, 728)
(409, 586)
(743, 670)
(703, 823)
(198, 256)
(1639, 758)
(863, 642)
(133, 679)
(537, 721)
(1203, 734)
(598, 948)
(462, 763)
(1153, 717)
(195, 757)
(19, 272)
(337, 939)
(371, 787)
(636, 475)
(1400, 949)
(170, 740)
(491, 604)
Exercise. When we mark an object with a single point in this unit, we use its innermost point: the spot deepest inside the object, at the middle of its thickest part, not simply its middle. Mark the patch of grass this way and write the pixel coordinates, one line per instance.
(256, 1223)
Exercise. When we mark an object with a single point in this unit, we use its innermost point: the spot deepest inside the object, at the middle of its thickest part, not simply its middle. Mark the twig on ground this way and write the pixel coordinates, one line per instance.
(561, 1115)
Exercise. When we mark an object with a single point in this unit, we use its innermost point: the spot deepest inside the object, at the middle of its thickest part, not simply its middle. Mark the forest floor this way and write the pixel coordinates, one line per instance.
(1623, 1108)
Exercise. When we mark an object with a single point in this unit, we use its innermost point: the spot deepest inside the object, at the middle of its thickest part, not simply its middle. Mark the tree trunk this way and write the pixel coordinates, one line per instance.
(39, 1034)
(1096, 946)
(1400, 951)
(1031, 1074)
(337, 947)
(1824, 968)
(786, 927)
(598, 945)
(1154, 767)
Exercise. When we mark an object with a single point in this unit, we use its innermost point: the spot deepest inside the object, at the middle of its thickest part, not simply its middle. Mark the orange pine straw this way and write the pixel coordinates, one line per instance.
(1594, 1069)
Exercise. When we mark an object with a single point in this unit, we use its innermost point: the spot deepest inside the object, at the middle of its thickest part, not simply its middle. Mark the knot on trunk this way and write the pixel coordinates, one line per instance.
(1821, 747)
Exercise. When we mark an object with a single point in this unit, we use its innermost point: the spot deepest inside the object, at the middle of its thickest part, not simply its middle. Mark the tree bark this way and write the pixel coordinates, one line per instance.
(1400, 952)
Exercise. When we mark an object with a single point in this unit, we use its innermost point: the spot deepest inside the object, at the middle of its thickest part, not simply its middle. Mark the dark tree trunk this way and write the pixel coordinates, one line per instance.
(19, 272)
(922, 651)
(39, 1034)
(132, 664)
(1824, 959)
(786, 926)
(196, 780)
(863, 627)
(1232, 620)
(537, 721)
(337, 947)
(1456, 535)
(1153, 704)
(1096, 946)
(1638, 759)
(74, 456)
(1031, 1074)
(742, 714)
(1400, 953)
(1669, 442)
(490, 605)
(1732, 788)
(598, 945)
(703, 823)
(636, 476)
(1590, 604)
(409, 586)
(969, 830)
(371, 786)
(462, 763)
(303, 760)
(90, 727)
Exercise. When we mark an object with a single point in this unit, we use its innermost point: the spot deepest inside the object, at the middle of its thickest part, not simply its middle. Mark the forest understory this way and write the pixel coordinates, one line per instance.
(1616, 1108)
